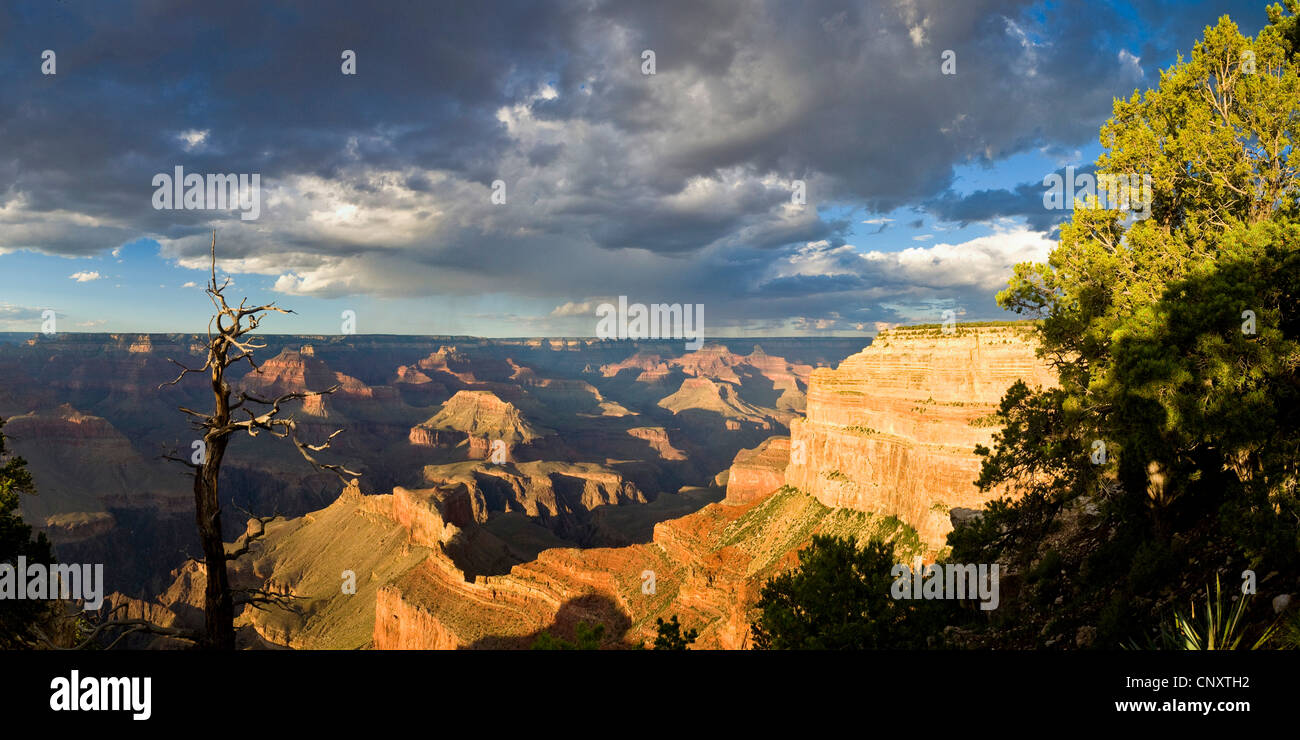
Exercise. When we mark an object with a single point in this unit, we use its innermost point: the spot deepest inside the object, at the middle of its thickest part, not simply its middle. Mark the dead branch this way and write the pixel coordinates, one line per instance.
(245, 541)
(260, 598)
(128, 627)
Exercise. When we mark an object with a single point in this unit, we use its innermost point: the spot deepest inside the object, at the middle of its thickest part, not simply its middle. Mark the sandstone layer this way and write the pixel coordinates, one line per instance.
(758, 472)
(707, 568)
(892, 430)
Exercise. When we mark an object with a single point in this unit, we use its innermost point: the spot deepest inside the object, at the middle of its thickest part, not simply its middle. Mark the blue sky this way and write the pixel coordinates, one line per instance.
(376, 188)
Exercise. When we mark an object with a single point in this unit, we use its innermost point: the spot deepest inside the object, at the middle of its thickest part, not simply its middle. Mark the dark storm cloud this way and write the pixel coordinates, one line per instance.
(1024, 201)
(265, 81)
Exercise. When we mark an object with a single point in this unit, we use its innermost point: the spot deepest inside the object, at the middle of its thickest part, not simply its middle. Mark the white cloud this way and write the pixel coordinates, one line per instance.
(85, 276)
(982, 264)
(193, 139)
(580, 308)
(1131, 63)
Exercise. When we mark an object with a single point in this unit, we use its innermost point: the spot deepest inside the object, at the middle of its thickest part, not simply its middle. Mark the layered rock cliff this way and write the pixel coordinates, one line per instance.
(758, 472)
(707, 567)
(106, 496)
(892, 430)
(75, 498)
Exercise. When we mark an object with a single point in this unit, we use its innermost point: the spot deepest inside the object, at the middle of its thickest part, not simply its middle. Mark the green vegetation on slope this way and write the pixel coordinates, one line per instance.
(1177, 347)
(1177, 342)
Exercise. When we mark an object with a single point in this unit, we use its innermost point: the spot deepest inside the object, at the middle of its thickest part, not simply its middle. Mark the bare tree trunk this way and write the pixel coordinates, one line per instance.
(218, 605)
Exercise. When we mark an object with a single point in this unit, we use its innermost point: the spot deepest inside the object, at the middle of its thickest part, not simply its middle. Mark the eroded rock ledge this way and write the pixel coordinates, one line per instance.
(893, 429)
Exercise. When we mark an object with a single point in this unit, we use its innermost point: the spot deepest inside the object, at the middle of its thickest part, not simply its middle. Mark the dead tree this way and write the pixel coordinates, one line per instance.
(234, 412)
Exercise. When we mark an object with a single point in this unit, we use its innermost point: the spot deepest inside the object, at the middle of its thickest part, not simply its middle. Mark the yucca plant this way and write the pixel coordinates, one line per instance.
(1217, 627)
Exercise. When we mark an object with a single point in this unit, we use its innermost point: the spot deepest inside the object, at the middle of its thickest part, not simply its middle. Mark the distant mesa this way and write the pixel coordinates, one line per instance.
(766, 381)
(703, 394)
(449, 361)
(649, 367)
(711, 361)
(476, 417)
(657, 438)
(544, 490)
(300, 370)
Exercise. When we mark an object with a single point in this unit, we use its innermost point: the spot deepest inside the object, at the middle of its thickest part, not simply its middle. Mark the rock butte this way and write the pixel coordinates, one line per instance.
(893, 429)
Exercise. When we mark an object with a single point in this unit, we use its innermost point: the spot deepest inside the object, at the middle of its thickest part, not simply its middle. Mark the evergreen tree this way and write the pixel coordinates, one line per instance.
(671, 637)
(837, 599)
(1175, 338)
(17, 617)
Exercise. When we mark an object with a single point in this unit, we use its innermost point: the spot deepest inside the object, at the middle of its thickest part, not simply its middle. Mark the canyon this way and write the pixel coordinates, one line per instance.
(93, 414)
(636, 484)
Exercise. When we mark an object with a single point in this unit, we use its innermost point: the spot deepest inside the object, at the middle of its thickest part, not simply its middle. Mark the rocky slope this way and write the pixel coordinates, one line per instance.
(709, 398)
(80, 498)
(555, 495)
(705, 567)
(412, 593)
(892, 430)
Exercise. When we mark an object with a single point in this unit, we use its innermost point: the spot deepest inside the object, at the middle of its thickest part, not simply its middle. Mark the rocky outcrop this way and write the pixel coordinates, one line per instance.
(404, 625)
(457, 369)
(720, 400)
(478, 418)
(657, 438)
(410, 590)
(707, 568)
(758, 472)
(553, 493)
(301, 370)
(893, 429)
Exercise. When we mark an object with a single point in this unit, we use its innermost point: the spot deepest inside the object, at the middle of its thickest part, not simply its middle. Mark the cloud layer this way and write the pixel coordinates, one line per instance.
(672, 187)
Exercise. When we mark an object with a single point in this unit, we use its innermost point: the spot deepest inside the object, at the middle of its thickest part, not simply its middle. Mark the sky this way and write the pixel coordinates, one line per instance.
(502, 169)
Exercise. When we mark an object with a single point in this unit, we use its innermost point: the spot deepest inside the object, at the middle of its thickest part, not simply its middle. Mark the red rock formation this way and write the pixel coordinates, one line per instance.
(402, 625)
(716, 362)
(722, 399)
(652, 366)
(893, 429)
(454, 368)
(758, 472)
(707, 568)
(657, 437)
(418, 514)
(300, 370)
(545, 490)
